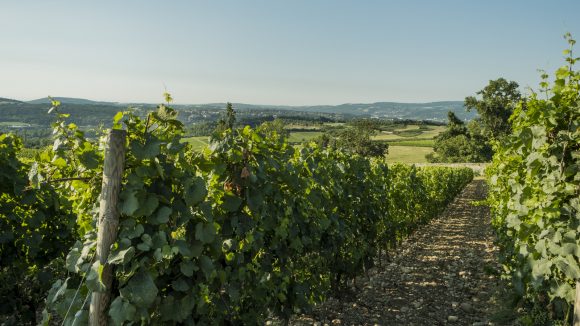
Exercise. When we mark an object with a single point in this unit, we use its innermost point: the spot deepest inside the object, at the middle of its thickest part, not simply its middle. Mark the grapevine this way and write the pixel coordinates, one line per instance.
(250, 228)
(535, 191)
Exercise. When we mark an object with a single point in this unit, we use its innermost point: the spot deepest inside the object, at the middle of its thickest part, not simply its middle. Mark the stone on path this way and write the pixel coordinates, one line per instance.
(436, 276)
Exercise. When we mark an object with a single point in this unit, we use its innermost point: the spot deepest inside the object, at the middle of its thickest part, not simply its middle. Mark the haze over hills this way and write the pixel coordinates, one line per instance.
(70, 100)
(436, 111)
(4, 100)
(89, 112)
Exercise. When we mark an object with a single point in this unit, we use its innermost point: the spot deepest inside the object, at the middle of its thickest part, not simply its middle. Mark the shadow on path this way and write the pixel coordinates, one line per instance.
(439, 276)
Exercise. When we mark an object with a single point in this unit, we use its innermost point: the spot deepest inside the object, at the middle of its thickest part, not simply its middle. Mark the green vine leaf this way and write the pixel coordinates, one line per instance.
(140, 290)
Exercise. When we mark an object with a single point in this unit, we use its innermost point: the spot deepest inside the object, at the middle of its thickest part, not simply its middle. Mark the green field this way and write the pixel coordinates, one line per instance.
(303, 127)
(402, 149)
(303, 136)
(410, 132)
(412, 142)
(405, 135)
(408, 154)
(14, 124)
(198, 142)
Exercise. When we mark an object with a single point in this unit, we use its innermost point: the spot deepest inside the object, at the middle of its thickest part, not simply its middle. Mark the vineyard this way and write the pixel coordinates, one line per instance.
(254, 228)
(249, 229)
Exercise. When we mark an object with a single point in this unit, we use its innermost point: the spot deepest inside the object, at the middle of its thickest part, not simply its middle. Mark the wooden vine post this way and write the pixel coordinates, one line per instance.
(577, 305)
(108, 222)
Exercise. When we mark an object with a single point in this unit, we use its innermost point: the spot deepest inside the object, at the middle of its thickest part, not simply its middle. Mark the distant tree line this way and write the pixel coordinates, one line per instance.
(31, 137)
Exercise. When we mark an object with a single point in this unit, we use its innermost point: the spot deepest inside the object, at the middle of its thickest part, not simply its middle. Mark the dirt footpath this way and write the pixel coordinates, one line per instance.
(444, 274)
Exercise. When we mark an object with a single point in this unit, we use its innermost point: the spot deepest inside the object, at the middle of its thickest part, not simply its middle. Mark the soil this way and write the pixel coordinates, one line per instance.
(443, 274)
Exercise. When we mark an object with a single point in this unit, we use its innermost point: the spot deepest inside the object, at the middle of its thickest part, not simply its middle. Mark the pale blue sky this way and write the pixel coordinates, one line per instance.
(296, 52)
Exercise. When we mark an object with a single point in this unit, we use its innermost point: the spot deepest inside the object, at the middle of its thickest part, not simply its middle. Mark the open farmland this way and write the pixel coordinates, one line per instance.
(407, 143)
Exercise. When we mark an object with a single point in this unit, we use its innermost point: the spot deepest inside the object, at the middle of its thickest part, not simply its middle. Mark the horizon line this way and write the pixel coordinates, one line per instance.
(234, 102)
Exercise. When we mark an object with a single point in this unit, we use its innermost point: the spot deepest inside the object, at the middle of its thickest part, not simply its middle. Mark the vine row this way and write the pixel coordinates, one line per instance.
(535, 196)
(251, 228)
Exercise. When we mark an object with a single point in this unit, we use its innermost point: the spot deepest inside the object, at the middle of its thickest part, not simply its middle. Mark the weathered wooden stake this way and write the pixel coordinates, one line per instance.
(577, 305)
(108, 222)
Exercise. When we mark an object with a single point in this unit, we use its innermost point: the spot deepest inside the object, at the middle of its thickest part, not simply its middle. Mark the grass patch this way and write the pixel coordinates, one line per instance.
(388, 136)
(412, 142)
(409, 127)
(433, 131)
(15, 124)
(408, 154)
(410, 132)
(303, 136)
(300, 127)
(198, 142)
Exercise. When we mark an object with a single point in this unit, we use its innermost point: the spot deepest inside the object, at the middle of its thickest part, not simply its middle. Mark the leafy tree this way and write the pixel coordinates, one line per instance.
(455, 126)
(495, 106)
(275, 126)
(230, 116)
(205, 128)
(459, 143)
(455, 149)
(356, 140)
(479, 141)
(227, 122)
(367, 124)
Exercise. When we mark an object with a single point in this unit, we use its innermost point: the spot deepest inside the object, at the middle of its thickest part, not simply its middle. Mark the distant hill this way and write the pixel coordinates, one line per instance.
(70, 100)
(4, 100)
(92, 113)
(435, 111)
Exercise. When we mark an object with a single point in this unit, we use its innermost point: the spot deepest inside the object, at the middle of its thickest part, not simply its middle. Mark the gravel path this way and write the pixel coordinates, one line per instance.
(444, 274)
